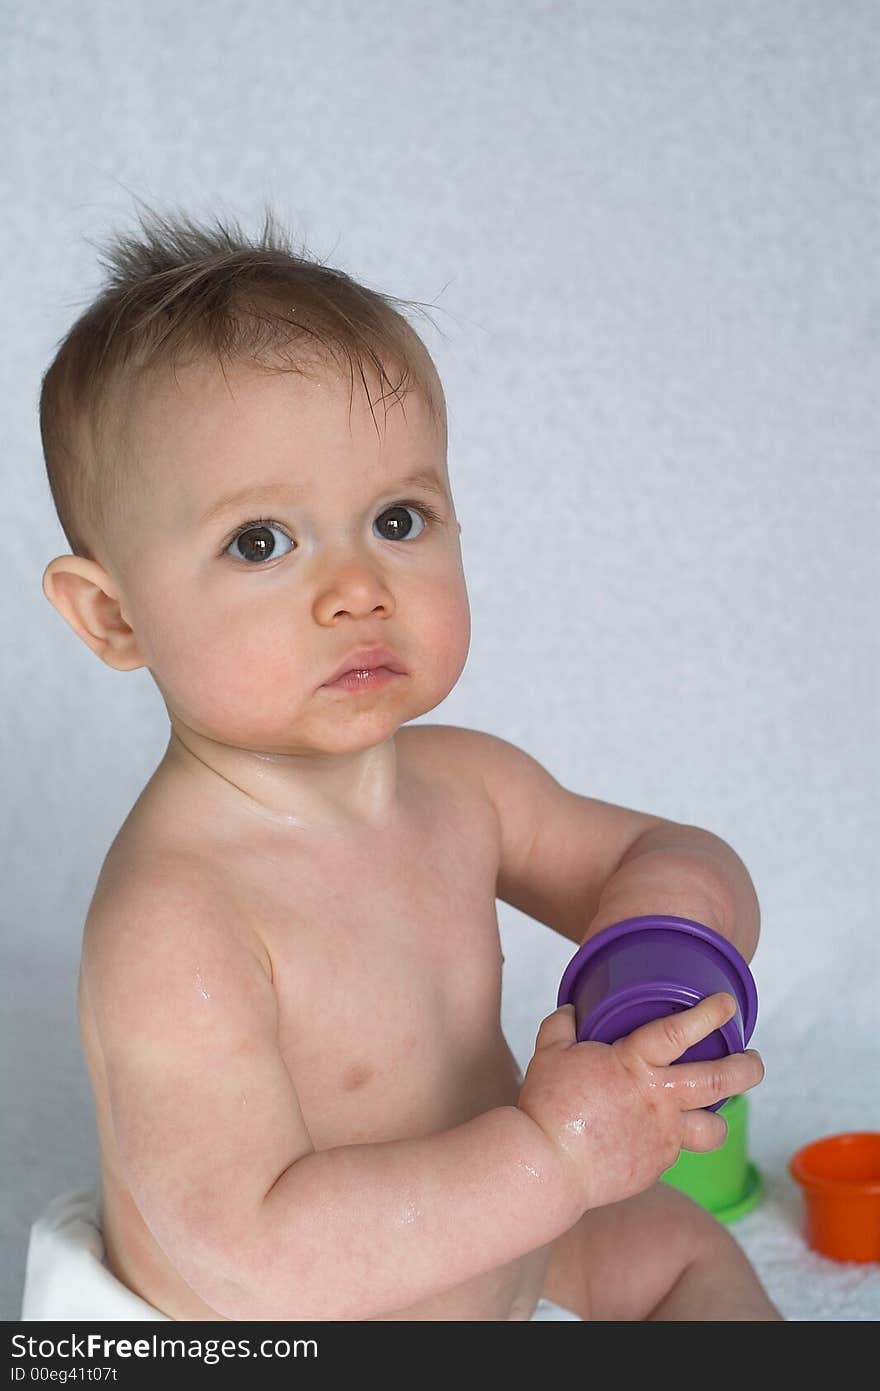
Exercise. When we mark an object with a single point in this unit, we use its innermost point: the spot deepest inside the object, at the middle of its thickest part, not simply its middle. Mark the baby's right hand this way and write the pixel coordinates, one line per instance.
(618, 1113)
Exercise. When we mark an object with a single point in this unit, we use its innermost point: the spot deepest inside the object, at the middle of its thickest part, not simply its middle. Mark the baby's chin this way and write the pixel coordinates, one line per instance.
(347, 734)
(355, 732)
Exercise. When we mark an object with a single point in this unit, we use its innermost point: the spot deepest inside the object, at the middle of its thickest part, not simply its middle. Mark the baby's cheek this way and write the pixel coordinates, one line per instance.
(232, 681)
(447, 630)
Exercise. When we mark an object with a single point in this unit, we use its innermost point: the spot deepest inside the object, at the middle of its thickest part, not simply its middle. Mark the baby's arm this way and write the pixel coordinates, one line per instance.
(215, 1151)
(579, 864)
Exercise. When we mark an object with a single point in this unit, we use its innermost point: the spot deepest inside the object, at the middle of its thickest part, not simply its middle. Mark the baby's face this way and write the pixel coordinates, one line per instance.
(244, 610)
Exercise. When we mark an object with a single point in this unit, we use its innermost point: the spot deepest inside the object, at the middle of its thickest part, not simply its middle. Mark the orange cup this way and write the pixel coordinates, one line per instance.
(840, 1179)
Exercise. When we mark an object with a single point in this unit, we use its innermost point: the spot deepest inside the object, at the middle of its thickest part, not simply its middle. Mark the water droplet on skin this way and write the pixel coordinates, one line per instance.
(408, 1214)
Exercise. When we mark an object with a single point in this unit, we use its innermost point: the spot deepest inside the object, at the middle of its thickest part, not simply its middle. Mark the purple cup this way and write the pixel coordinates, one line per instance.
(646, 968)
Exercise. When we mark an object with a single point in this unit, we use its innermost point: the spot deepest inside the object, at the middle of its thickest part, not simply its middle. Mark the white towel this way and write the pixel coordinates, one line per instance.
(67, 1276)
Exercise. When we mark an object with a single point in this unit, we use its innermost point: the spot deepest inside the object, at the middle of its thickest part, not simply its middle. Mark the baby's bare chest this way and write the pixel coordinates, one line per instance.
(387, 967)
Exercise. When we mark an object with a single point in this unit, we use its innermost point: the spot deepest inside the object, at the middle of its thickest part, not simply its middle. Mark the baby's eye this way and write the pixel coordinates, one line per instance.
(255, 542)
(398, 523)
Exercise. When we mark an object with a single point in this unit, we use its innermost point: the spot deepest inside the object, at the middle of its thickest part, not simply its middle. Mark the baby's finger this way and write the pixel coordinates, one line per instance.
(703, 1131)
(663, 1040)
(701, 1084)
(558, 1027)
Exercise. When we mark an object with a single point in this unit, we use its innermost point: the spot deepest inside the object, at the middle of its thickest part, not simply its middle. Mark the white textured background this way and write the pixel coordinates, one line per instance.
(651, 232)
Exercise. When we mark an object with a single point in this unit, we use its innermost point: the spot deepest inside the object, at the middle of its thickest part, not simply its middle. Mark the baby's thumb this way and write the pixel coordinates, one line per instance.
(557, 1028)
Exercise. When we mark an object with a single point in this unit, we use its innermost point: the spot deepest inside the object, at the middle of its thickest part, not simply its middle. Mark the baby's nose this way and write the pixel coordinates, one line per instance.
(352, 586)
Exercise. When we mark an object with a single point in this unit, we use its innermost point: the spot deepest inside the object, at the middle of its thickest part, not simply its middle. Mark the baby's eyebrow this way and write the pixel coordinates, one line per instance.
(428, 479)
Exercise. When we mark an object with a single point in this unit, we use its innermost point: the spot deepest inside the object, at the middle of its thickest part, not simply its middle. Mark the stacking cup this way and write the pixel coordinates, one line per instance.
(839, 1176)
(649, 967)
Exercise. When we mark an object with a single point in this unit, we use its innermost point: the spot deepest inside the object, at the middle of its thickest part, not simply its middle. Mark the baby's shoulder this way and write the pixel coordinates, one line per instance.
(451, 760)
(158, 909)
(173, 845)
(444, 750)
(471, 758)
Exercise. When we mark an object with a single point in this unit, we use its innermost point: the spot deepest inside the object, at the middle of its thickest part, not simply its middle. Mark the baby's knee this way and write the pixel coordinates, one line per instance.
(679, 1223)
(712, 1276)
(698, 1232)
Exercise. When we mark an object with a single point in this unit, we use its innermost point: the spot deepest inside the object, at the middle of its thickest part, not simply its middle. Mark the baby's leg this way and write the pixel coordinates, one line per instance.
(656, 1256)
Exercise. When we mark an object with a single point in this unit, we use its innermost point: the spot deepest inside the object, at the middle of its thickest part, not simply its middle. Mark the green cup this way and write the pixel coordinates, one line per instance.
(724, 1180)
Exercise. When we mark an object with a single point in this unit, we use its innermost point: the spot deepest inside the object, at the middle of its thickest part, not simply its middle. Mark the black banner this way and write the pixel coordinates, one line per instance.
(135, 1354)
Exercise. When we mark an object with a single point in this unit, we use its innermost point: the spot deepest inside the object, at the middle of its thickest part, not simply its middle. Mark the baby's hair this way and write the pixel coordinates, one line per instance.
(183, 292)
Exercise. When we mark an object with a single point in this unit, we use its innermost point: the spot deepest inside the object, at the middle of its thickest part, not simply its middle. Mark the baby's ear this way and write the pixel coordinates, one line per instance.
(87, 598)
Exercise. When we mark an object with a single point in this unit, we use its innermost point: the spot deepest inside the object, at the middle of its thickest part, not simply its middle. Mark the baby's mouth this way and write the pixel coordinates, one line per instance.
(364, 660)
(372, 679)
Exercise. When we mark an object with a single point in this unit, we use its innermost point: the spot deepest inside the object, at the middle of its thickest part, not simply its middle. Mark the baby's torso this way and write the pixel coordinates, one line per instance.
(386, 961)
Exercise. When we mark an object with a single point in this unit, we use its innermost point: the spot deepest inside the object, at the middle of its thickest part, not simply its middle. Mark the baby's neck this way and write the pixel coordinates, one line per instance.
(320, 791)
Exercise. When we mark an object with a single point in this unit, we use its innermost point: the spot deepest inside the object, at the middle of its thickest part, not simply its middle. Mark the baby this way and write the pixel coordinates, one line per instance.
(290, 986)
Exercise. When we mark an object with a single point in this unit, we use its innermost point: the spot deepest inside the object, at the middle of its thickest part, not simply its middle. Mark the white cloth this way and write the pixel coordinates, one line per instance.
(548, 1310)
(67, 1277)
